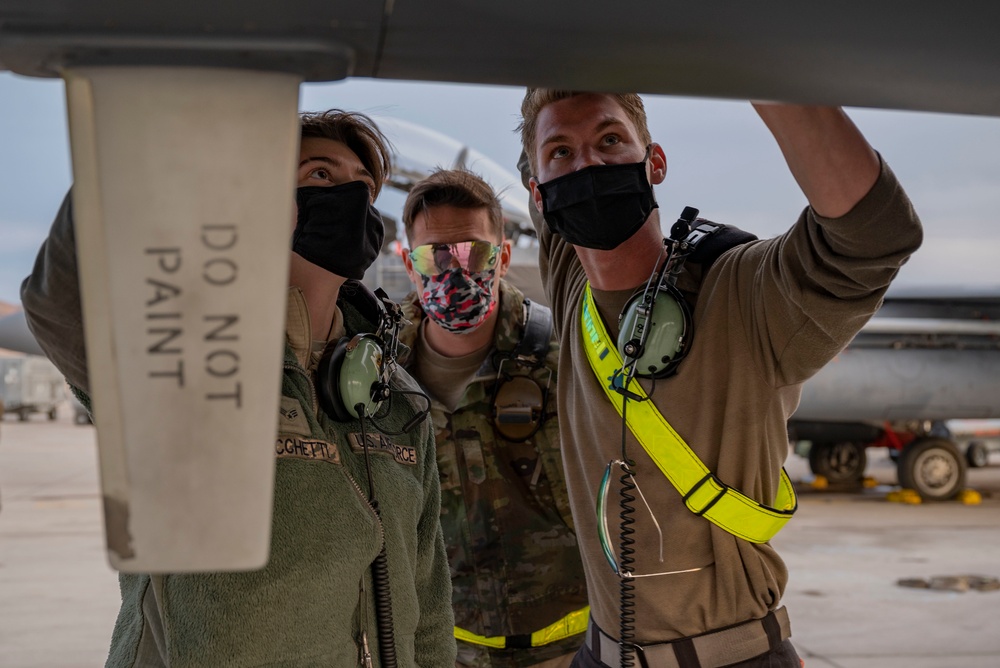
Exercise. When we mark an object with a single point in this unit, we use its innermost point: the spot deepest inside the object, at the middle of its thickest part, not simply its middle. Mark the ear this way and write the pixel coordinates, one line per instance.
(505, 256)
(408, 264)
(536, 194)
(657, 164)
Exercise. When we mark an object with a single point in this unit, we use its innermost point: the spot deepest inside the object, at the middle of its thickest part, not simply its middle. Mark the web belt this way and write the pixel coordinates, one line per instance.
(725, 647)
(572, 624)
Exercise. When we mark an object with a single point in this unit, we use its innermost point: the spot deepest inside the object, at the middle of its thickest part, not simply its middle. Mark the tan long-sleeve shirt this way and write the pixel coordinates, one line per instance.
(767, 316)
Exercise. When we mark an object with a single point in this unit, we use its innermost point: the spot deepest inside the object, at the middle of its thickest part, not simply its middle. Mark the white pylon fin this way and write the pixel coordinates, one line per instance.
(183, 202)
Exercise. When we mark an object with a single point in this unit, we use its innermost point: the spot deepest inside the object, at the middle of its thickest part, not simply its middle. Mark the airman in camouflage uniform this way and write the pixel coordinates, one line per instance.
(511, 546)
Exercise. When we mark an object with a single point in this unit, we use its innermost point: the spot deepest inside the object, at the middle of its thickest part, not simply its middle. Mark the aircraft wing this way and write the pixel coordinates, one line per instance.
(181, 276)
(905, 55)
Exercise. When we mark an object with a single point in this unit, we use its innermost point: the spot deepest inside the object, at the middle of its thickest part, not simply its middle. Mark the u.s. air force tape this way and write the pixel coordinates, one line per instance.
(404, 454)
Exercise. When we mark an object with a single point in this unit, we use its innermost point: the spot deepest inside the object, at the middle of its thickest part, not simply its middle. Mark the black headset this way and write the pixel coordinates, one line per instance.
(519, 401)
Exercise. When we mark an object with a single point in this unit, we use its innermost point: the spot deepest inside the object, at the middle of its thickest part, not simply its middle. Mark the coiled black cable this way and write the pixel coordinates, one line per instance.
(380, 569)
(383, 606)
(626, 609)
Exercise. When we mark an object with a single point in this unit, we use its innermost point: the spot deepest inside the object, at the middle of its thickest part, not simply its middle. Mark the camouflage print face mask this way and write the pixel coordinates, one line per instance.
(457, 300)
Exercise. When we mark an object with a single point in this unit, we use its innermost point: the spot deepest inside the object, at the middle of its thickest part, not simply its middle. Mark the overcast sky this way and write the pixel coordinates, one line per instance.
(721, 160)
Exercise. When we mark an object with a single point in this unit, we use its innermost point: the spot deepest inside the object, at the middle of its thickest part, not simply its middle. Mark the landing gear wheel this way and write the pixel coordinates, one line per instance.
(842, 462)
(977, 455)
(932, 467)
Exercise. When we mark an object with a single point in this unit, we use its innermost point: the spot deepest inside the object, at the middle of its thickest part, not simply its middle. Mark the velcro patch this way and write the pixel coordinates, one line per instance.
(302, 448)
(404, 454)
(291, 418)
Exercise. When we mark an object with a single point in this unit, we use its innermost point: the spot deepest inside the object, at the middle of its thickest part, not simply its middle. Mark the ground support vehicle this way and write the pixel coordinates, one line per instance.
(30, 384)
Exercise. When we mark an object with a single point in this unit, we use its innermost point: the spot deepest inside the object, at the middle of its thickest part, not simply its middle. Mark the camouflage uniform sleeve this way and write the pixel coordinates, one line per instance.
(51, 299)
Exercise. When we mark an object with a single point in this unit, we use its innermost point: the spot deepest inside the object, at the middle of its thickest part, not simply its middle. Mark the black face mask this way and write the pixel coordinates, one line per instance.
(338, 229)
(599, 207)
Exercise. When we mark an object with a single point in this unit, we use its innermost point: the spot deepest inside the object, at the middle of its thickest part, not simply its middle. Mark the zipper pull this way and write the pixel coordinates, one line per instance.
(366, 655)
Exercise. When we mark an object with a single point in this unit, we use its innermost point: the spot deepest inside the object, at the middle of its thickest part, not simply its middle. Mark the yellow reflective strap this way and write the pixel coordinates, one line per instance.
(572, 624)
(497, 642)
(703, 493)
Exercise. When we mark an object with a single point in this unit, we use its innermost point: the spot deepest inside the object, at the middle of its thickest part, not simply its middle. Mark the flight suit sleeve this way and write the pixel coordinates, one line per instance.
(51, 299)
(806, 294)
(434, 644)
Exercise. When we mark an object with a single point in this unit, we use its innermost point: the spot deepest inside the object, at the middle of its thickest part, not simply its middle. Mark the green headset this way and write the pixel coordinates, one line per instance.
(655, 328)
(655, 331)
(355, 371)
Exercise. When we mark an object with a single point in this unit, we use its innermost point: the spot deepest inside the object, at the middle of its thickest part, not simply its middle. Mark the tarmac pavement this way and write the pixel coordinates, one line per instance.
(845, 553)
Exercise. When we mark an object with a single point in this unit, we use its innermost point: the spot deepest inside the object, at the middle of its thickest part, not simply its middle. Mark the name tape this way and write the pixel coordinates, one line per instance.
(301, 448)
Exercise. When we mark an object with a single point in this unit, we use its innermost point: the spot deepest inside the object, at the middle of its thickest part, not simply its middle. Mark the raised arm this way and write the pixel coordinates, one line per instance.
(826, 153)
(814, 287)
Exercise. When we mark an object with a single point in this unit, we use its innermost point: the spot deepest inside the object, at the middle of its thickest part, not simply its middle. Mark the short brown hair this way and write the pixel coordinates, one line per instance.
(358, 133)
(535, 99)
(453, 187)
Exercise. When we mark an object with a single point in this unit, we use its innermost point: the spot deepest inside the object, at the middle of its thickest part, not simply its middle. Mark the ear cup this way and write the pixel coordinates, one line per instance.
(667, 326)
(361, 375)
(349, 374)
(518, 408)
(327, 381)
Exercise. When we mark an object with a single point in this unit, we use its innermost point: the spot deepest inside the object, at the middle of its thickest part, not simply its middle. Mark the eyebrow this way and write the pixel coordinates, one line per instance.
(335, 163)
(605, 123)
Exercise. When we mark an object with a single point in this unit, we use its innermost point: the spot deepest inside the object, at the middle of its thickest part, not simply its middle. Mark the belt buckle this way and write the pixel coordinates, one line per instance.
(723, 488)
